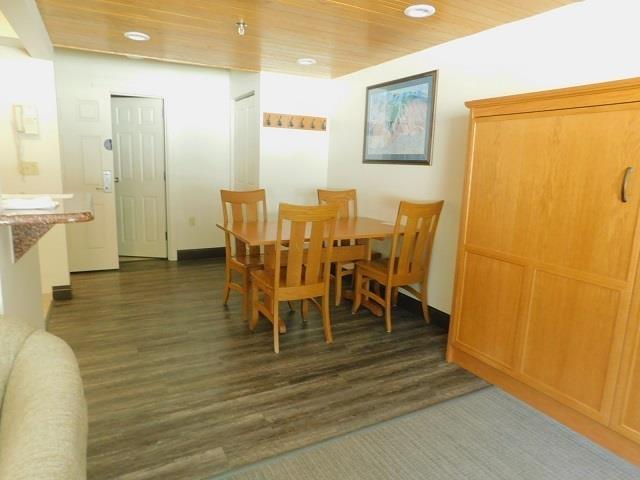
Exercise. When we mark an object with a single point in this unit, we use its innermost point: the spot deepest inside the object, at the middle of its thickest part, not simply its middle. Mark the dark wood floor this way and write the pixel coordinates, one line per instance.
(178, 388)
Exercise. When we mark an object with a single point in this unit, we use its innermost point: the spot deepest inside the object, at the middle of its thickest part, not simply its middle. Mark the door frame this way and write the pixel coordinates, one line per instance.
(172, 253)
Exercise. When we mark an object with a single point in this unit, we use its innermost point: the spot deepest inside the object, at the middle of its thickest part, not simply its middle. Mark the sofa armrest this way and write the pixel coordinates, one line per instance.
(43, 423)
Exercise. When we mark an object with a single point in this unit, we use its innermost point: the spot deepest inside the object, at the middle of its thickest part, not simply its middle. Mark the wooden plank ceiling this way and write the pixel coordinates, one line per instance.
(342, 35)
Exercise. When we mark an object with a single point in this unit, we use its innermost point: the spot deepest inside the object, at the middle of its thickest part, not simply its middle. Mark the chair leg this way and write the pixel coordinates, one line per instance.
(246, 288)
(338, 283)
(227, 288)
(254, 307)
(357, 292)
(326, 319)
(304, 309)
(291, 306)
(387, 307)
(276, 327)
(425, 303)
(394, 296)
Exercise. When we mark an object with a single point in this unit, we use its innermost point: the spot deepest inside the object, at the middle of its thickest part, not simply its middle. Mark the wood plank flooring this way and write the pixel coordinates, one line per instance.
(178, 388)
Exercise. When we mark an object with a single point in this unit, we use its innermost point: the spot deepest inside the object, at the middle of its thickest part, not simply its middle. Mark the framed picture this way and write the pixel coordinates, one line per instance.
(399, 121)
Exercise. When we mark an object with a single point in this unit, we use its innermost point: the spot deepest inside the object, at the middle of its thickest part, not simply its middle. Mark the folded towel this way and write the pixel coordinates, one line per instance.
(36, 203)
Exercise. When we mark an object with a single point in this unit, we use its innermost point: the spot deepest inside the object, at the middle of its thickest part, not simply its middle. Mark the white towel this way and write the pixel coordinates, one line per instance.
(36, 203)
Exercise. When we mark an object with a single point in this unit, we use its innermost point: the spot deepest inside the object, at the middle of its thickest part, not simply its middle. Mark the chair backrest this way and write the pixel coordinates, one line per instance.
(346, 200)
(416, 224)
(310, 243)
(250, 206)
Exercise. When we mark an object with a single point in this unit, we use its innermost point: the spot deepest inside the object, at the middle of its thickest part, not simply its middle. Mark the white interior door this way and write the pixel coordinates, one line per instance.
(138, 151)
(85, 124)
(246, 147)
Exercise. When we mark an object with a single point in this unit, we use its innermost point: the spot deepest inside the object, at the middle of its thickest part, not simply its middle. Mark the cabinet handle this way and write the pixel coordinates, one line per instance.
(625, 180)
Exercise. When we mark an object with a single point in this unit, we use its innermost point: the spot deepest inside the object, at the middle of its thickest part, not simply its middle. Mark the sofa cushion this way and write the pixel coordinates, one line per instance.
(43, 423)
(13, 333)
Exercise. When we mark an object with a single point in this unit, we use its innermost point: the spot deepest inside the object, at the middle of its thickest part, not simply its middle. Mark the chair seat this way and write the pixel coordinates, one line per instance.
(264, 281)
(376, 269)
(249, 261)
(265, 277)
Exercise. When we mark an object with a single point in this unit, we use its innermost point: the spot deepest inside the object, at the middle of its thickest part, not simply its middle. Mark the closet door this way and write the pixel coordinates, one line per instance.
(549, 249)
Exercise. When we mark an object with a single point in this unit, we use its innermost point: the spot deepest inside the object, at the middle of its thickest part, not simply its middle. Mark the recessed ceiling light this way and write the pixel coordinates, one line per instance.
(307, 61)
(419, 11)
(137, 36)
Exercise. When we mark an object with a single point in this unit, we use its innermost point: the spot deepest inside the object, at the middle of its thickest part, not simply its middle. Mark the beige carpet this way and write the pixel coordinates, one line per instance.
(485, 435)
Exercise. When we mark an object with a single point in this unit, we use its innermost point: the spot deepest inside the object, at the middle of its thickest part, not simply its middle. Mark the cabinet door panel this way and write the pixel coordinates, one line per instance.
(546, 186)
(492, 308)
(569, 337)
(627, 412)
(631, 411)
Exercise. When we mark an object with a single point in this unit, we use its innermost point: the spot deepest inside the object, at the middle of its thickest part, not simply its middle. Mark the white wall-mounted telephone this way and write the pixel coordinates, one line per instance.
(25, 119)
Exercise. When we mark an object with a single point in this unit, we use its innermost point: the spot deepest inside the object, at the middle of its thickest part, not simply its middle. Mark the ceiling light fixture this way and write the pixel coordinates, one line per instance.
(419, 11)
(242, 27)
(137, 36)
(307, 61)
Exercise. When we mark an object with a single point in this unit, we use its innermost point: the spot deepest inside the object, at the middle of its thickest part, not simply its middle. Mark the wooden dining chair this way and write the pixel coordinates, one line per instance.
(408, 261)
(347, 203)
(308, 266)
(250, 206)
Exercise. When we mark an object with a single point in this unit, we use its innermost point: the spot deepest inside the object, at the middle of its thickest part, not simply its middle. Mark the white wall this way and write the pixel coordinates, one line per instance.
(20, 286)
(293, 163)
(25, 80)
(6, 30)
(581, 43)
(197, 131)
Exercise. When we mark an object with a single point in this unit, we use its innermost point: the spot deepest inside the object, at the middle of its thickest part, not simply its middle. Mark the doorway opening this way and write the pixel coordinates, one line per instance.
(139, 176)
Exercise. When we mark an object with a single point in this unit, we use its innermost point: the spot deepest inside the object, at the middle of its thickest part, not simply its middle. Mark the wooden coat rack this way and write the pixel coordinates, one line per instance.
(298, 122)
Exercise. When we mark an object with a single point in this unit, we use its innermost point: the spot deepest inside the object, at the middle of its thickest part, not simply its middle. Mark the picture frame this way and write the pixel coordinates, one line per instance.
(399, 120)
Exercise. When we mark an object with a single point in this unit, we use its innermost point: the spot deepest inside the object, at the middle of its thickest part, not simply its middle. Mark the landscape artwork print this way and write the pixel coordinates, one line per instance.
(399, 121)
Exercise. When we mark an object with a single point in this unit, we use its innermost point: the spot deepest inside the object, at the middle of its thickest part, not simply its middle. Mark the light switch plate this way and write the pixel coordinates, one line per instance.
(29, 168)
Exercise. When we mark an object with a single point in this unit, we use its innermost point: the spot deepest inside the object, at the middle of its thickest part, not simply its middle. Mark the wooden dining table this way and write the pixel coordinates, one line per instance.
(361, 229)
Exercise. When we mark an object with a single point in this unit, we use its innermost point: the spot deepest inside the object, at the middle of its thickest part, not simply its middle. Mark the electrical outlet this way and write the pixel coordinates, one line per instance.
(29, 168)
(192, 221)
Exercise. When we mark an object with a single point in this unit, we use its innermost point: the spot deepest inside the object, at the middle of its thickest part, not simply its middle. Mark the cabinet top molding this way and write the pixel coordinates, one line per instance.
(606, 93)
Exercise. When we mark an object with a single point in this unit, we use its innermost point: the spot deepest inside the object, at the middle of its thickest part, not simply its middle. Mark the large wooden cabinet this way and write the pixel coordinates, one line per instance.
(547, 292)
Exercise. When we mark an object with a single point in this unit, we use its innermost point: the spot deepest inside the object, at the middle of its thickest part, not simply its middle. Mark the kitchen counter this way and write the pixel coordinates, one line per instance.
(28, 226)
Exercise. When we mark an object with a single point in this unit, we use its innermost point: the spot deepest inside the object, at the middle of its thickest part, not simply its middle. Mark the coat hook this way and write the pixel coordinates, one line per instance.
(313, 124)
(280, 121)
(290, 122)
(301, 122)
(324, 124)
(268, 122)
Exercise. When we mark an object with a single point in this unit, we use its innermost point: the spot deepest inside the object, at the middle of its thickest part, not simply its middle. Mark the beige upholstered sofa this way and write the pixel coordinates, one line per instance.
(43, 415)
